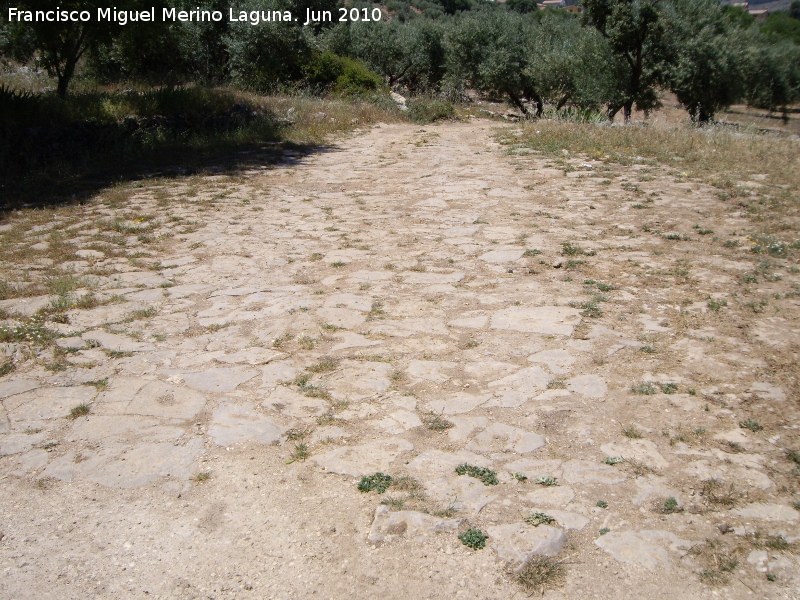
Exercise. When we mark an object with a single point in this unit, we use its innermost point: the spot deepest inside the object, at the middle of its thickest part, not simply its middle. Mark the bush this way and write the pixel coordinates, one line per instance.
(341, 76)
(427, 110)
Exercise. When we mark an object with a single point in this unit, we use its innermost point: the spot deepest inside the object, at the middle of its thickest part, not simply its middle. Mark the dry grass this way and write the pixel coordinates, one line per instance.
(760, 171)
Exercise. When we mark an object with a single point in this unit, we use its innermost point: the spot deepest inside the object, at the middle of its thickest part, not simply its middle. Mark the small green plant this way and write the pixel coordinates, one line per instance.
(546, 480)
(375, 483)
(613, 460)
(601, 504)
(539, 518)
(473, 538)
(487, 476)
(202, 477)
(79, 411)
(669, 388)
(338, 264)
(100, 384)
(715, 305)
(300, 452)
(646, 388)
(751, 424)
(671, 506)
(436, 422)
(531, 253)
(604, 530)
(6, 368)
(631, 432)
(591, 309)
(521, 477)
(539, 573)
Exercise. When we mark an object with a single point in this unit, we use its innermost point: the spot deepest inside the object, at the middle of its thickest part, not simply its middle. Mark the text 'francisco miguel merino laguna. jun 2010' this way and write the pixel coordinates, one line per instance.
(152, 15)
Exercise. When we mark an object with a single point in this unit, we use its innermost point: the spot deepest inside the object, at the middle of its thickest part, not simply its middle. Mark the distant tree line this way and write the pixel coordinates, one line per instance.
(614, 57)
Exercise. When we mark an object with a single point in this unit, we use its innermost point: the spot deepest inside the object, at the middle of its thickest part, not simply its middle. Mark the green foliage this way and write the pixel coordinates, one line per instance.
(341, 76)
(751, 424)
(427, 110)
(487, 476)
(706, 71)
(377, 482)
(772, 74)
(473, 538)
(782, 26)
(539, 518)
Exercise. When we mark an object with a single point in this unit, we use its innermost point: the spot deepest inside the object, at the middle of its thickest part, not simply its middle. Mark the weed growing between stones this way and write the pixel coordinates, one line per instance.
(751, 424)
(487, 476)
(436, 422)
(473, 538)
(539, 518)
(539, 573)
(375, 483)
(546, 481)
(79, 411)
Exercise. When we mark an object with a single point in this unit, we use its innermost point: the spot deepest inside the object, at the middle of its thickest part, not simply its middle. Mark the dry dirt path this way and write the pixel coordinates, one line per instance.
(414, 299)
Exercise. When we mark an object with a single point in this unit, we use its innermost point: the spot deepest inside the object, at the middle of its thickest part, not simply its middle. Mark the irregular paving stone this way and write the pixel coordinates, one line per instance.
(516, 543)
(767, 391)
(17, 386)
(559, 495)
(353, 340)
(163, 400)
(460, 403)
(533, 468)
(432, 278)
(590, 386)
(251, 356)
(409, 327)
(768, 512)
(643, 451)
(90, 254)
(557, 361)
(123, 428)
(342, 317)
(567, 520)
(388, 526)
(17, 443)
(477, 320)
(363, 460)
(31, 408)
(434, 463)
(276, 372)
(239, 422)
(518, 388)
(429, 370)
(399, 421)
(218, 380)
(502, 256)
(294, 404)
(649, 548)
(115, 342)
(358, 380)
(500, 437)
(351, 301)
(549, 320)
(462, 493)
(25, 306)
(464, 426)
(582, 471)
(654, 487)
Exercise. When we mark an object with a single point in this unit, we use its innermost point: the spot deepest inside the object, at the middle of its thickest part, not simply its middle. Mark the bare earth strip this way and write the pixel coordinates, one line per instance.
(408, 301)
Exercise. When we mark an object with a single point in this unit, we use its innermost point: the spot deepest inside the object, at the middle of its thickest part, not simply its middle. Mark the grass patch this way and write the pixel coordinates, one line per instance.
(79, 411)
(540, 573)
(377, 482)
(539, 518)
(436, 422)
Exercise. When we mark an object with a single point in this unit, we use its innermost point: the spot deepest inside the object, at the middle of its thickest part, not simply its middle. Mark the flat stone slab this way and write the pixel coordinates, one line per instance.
(462, 493)
(240, 422)
(557, 361)
(516, 543)
(130, 429)
(500, 437)
(502, 256)
(559, 495)
(398, 422)
(365, 459)
(431, 278)
(649, 548)
(476, 320)
(251, 356)
(547, 320)
(567, 520)
(643, 451)
(582, 471)
(590, 386)
(293, 404)
(30, 408)
(115, 342)
(389, 526)
(768, 512)
(219, 380)
(517, 388)
(17, 386)
(436, 463)
(458, 404)
(430, 370)
(25, 306)
(353, 340)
